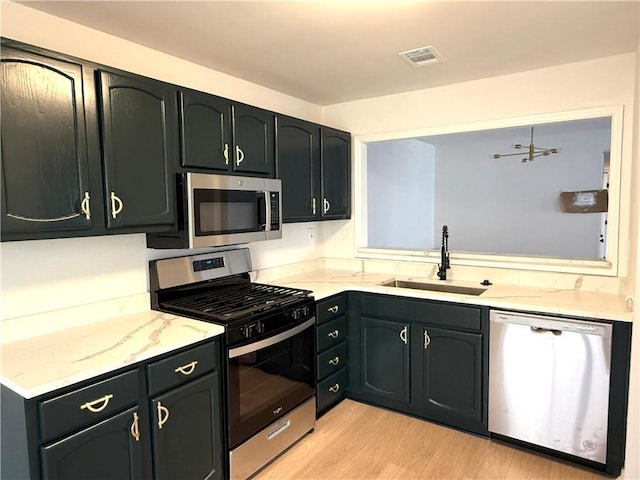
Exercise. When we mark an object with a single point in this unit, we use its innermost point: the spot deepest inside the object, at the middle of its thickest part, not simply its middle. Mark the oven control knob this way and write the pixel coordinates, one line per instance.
(305, 310)
(296, 314)
(259, 327)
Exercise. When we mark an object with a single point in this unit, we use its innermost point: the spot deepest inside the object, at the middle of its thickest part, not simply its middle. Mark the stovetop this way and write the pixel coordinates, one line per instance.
(230, 303)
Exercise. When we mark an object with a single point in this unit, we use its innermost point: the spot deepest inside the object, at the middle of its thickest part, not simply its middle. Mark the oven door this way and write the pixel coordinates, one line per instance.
(269, 378)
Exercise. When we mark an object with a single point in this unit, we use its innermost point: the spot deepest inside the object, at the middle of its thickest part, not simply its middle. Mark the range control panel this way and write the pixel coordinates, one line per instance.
(208, 264)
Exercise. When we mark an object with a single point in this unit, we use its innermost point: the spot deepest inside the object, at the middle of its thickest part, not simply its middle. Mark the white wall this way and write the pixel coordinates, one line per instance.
(400, 194)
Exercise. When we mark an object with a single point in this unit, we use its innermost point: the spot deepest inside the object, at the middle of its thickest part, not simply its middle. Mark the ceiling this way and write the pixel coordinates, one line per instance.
(329, 52)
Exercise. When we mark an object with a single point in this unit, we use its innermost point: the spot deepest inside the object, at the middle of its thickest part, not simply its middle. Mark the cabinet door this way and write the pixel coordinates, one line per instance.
(336, 174)
(298, 161)
(385, 361)
(451, 375)
(110, 449)
(187, 431)
(205, 128)
(254, 133)
(45, 178)
(139, 136)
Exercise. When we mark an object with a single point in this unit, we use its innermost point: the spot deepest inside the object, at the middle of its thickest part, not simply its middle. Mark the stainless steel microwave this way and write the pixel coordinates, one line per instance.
(216, 210)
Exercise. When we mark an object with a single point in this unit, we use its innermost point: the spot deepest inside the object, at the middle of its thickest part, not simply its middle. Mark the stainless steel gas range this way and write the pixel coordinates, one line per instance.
(269, 349)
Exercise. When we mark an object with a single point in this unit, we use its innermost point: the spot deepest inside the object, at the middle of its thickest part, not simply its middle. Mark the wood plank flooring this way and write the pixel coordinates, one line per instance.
(358, 441)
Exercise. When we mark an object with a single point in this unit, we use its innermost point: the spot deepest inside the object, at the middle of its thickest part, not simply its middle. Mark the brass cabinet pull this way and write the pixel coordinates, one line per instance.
(90, 405)
(333, 334)
(313, 205)
(327, 205)
(226, 154)
(135, 430)
(187, 369)
(162, 411)
(334, 388)
(239, 155)
(84, 206)
(403, 334)
(427, 339)
(116, 205)
(334, 361)
(334, 309)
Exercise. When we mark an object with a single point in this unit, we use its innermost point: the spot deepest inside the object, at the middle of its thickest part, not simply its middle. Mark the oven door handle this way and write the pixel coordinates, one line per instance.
(267, 342)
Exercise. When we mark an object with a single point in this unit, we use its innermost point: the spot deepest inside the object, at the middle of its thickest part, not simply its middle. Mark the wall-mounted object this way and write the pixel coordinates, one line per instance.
(586, 201)
(533, 151)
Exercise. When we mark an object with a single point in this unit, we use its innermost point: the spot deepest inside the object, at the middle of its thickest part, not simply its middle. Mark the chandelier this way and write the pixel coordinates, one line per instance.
(533, 151)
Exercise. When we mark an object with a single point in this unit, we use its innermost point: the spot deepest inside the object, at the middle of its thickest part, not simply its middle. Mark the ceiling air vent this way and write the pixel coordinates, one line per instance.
(421, 56)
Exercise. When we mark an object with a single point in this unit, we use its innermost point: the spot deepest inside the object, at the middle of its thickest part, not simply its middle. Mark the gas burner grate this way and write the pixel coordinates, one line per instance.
(232, 302)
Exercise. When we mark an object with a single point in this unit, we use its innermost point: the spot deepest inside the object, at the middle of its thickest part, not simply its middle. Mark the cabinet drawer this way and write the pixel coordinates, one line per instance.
(331, 333)
(448, 315)
(331, 308)
(182, 367)
(87, 405)
(332, 360)
(331, 390)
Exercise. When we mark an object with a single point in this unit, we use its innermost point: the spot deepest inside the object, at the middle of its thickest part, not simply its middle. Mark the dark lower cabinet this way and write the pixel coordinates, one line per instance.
(386, 361)
(108, 450)
(331, 352)
(449, 364)
(158, 419)
(421, 357)
(186, 431)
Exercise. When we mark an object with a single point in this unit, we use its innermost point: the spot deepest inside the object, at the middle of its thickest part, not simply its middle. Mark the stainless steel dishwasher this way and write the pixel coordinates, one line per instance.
(549, 382)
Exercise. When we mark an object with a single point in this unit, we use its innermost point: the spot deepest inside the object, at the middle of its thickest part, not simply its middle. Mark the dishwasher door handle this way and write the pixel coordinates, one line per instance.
(546, 330)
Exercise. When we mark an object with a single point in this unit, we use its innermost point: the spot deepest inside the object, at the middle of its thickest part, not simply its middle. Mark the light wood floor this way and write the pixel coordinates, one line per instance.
(357, 441)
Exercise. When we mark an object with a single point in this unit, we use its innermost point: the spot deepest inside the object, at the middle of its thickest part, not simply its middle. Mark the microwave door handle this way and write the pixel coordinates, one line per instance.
(267, 209)
(261, 205)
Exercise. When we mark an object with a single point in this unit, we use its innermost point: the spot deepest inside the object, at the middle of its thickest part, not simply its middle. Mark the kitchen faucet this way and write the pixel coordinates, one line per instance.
(444, 254)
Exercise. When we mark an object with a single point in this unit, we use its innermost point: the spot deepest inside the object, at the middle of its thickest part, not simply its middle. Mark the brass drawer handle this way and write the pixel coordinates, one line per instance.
(333, 334)
(90, 405)
(334, 309)
(187, 369)
(135, 430)
(334, 388)
(334, 361)
(162, 411)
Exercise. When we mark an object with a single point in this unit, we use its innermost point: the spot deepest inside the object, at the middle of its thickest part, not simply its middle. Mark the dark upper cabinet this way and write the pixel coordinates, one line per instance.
(45, 163)
(314, 164)
(139, 135)
(335, 174)
(225, 137)
(450, 364)
(386, 362)
(110, 449)
(253, 138)
(205, 131)
(187, 431)
(298, 157)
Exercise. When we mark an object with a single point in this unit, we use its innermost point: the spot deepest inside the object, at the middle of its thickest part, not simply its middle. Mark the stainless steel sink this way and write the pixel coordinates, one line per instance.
(433, 287)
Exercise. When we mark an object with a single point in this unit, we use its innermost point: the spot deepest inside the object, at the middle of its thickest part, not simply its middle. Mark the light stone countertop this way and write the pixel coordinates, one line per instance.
(40, 364)
(607, 306)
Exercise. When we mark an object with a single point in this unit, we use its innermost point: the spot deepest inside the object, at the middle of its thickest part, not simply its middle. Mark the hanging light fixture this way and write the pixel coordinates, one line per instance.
(533, 151)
